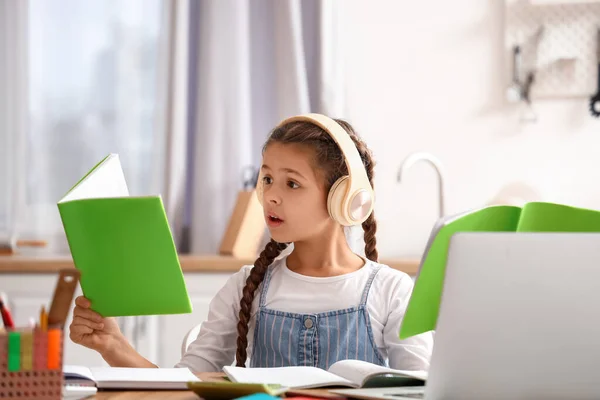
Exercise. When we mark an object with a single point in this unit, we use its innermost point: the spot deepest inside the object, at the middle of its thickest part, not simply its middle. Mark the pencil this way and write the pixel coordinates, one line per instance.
(43, 319)
(6, 316)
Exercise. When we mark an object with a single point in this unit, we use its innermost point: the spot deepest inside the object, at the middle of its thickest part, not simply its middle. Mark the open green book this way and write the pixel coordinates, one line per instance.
(122, 246)
(422, 310)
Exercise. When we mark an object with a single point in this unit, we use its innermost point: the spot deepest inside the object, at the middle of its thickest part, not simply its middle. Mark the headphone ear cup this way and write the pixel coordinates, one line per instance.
(335, 199)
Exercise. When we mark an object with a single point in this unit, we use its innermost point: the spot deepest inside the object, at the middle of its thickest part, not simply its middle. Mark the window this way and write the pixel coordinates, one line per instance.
(95, 69)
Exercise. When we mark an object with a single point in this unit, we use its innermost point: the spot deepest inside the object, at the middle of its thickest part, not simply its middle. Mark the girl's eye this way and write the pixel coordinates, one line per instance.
(293, 185)
(267, 180)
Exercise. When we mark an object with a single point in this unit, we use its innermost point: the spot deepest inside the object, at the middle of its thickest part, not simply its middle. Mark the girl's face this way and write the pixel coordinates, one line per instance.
(294, 197)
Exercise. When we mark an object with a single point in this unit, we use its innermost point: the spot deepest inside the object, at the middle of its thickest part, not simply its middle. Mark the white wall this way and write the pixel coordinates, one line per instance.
(430, 75)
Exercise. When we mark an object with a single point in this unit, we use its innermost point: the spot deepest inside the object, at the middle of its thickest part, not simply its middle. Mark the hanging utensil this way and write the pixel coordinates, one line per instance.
(528, 113)
(514, 93)
(249, 177)
(595, 99)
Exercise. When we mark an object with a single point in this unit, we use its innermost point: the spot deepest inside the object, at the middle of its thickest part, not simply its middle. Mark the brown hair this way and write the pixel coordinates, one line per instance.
(330, 161)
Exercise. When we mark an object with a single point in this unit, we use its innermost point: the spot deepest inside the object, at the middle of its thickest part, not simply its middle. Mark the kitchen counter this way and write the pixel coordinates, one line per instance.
(189, 263)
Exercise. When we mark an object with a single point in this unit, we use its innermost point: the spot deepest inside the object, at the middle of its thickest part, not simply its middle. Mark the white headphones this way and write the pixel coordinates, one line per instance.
(351, 198)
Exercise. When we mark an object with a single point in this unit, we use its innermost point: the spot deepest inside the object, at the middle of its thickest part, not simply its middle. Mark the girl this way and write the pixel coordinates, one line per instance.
(316, 305)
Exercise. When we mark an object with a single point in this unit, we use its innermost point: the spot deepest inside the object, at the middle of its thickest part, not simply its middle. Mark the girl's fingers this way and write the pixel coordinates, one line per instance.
(79, 330)
(86, 322)
(87, 314)
(81, 301)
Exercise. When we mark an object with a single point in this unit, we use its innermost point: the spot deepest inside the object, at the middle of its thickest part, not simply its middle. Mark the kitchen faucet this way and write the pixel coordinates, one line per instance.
(416, 157)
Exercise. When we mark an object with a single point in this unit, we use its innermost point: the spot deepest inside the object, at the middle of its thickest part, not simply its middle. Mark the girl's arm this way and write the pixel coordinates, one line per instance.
(124, 355)
(91, 330)
(413, 353)
(216, 344)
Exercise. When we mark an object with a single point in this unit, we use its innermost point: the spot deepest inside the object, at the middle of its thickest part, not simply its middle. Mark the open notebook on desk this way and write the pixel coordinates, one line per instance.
(346, 373)
(129, 378)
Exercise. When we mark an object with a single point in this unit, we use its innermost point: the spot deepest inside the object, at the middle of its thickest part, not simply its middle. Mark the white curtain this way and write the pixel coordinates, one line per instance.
(258, 61)
(13, 112)
(78, 80)
(78, 85)
(175, 84)
(223, 132)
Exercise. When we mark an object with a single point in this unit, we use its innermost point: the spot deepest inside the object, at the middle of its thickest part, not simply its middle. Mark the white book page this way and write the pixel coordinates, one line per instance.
(357, 371)
(143, 377)
(107, 180)
(292, 377)
(73, 392)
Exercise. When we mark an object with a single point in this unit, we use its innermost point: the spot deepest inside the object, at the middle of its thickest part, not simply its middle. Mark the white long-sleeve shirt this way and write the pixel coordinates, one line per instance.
(291, 292)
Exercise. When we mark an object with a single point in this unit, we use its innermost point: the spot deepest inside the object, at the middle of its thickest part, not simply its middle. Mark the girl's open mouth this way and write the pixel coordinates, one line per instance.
(273, 220)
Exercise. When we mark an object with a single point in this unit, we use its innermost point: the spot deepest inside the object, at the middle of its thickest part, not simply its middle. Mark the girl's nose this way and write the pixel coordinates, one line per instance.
(272, 196)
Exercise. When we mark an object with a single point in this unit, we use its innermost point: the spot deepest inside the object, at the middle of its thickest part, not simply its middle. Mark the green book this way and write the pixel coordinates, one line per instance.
(122, 245)
(422, 310)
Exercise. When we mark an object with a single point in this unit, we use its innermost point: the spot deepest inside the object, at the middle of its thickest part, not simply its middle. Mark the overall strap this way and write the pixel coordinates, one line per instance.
(265, 286)
(363, 300)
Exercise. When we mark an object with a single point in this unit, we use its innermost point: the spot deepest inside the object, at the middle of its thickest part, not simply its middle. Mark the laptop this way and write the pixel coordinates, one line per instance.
(519, 318)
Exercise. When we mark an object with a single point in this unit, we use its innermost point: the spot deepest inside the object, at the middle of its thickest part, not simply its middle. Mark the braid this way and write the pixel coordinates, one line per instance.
(257, 274)
(370, 229)
(370, 224)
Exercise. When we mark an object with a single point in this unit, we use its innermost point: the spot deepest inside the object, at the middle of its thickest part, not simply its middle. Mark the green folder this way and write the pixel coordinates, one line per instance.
(422, 310)
(122, 246)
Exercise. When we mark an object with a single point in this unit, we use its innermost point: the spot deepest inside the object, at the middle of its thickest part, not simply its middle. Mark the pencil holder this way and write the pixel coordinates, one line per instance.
(31, 364)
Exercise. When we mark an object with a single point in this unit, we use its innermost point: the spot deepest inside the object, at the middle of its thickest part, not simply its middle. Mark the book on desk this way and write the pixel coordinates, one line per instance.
(344, 373)
(129, 378)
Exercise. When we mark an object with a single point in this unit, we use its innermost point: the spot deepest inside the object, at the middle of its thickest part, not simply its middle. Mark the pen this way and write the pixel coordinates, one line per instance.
(6, 317)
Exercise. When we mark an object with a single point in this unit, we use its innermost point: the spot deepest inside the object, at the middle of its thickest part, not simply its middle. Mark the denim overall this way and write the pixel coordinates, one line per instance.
(289, 339)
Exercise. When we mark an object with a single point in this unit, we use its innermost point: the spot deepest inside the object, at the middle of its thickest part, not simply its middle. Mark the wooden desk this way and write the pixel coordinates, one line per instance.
(189, 395)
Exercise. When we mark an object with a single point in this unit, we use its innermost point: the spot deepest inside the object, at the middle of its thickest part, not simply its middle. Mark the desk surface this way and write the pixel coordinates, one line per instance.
(189, 395)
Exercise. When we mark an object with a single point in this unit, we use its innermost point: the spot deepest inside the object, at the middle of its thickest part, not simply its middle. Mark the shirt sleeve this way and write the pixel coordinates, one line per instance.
(413, 353)
(216, 344)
